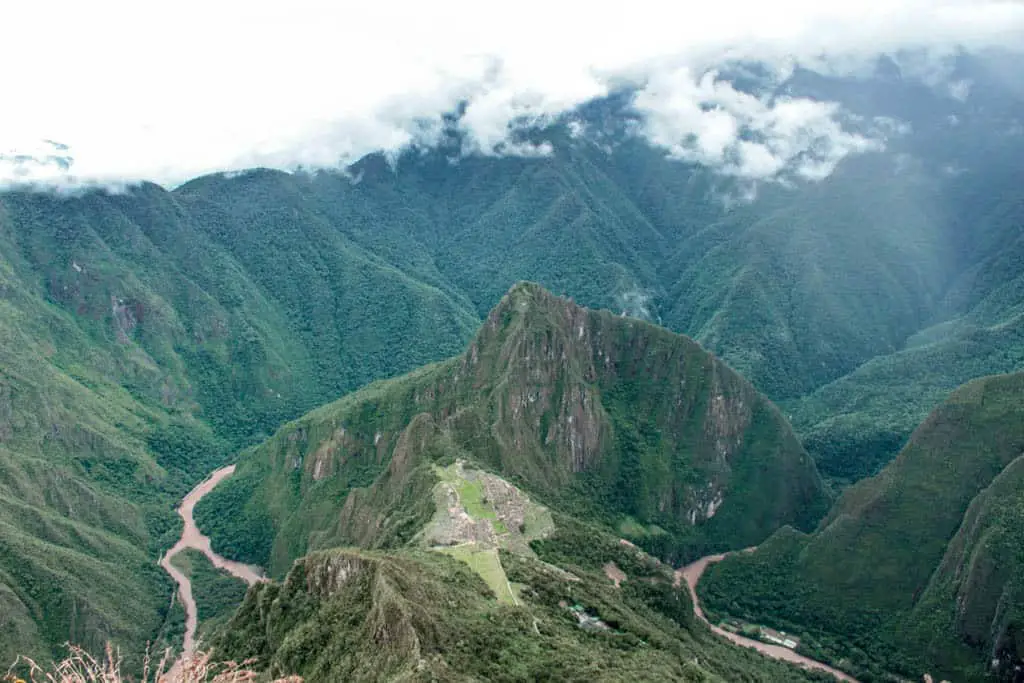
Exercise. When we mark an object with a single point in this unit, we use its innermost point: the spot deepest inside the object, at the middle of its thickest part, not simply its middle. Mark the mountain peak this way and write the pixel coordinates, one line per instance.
(606, 416)
(524, 295)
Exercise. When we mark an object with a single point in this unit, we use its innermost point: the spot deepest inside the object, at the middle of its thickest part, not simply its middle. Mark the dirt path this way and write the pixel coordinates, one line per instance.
(191, 537)
(691, 573)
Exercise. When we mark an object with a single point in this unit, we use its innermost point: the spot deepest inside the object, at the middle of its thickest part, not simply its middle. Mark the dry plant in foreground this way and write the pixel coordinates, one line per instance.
(81, 667)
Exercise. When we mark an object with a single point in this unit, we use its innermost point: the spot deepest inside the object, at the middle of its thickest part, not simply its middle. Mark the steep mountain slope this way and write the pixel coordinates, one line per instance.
(136, 351)
(795, 289)
(607, 418)
(75, 460)
(853, 425)
(588, 426)
(415, 615)
(962, 165)
(919, 567)
(798, 289)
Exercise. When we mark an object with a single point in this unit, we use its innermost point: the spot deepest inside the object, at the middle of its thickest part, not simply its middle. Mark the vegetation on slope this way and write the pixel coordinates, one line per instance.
(607, 418)
(414, 615)
(145, 335)
(881, 583)
(136, 351)
(854, 425)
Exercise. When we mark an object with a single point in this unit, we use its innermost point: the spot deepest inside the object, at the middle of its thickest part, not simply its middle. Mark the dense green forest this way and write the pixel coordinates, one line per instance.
(540, 397)
(918, 568)
(216, 592)
(136, 356)
(417, 616)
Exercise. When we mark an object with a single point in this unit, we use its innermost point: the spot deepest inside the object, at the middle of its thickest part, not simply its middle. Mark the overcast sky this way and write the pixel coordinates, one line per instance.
(167, 91)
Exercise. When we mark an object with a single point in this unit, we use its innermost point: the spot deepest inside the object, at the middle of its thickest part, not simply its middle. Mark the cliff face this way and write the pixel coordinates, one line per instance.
(606, 418)
(978, 590)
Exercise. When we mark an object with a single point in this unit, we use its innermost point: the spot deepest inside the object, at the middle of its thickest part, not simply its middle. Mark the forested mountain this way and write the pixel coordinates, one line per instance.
(918, 568)
(140, 348)
(607, 418)
(606, 426)
(149, 334)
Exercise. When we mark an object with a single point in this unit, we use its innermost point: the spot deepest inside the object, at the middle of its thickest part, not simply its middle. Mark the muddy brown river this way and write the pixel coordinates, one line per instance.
(191, 537)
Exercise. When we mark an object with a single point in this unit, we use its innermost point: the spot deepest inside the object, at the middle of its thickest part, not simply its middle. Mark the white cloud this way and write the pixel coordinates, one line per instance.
(707, 121)
(960, 90)
(168, 91)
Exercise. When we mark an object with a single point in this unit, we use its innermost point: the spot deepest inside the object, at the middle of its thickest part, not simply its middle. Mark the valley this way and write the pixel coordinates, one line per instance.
(466, 545)
(916, 569)
(691, 574)
(192, 537)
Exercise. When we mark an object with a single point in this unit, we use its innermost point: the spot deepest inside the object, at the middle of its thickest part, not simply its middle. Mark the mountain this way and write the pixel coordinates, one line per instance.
(853, 424)
(557, 431)
(147, 334)
(609, 419)
(918, 568)
(422, 616)
(141, 346)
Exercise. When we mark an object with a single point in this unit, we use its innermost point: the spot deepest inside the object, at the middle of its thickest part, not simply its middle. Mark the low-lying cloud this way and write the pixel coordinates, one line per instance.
(139, 91)
(708, 121)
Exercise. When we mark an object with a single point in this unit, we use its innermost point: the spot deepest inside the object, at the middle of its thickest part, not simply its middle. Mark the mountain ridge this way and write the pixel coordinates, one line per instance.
(917, 566)
(538, 397)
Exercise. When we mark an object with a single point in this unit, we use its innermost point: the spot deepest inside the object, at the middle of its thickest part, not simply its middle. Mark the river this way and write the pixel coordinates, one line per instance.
(191, 537)
(691, 573)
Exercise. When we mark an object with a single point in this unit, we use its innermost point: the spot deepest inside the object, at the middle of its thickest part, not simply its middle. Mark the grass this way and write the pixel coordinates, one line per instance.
(471, 495)
(420, 615)
(537, 523)
(486, 563)
(482, 558)
(80, 666)
(630, 528)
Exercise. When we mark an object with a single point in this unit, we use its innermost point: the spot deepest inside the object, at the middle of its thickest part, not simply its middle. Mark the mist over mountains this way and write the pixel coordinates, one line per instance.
(838, 225)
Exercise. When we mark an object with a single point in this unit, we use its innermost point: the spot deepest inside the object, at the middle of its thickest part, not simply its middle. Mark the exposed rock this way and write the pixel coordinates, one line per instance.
(326, 575)
(127, 315)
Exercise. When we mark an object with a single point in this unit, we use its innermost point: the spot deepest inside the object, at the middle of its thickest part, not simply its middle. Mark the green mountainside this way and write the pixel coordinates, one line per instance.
(595, 426)
(216, 592)
(138, 351)
(829, 297)
(421, 616)
(608, 419)
(916, 569)
(854, 424)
